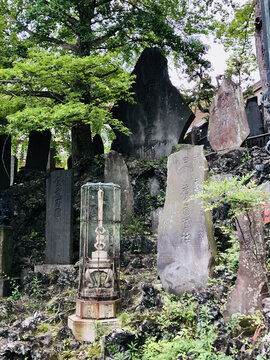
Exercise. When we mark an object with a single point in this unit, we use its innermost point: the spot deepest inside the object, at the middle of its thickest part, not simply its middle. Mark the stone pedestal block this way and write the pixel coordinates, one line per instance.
(97, 309)
(49, 268)
(86, 329)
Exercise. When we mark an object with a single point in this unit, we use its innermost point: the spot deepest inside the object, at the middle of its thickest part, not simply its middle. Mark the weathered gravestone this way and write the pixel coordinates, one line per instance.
(159, 118)
(228, 125)
(38, 150)
(5, 160)
(252, 284)
(116, 172)
(254, 117)
(185, 235)
(59, 217)
(5, 258)
(155, 216)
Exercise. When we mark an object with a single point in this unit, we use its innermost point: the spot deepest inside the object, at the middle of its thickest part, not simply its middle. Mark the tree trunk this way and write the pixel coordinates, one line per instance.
(81, 142)
(252, 282)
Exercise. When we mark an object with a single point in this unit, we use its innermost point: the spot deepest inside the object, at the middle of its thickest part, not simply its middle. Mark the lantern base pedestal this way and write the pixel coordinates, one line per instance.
(87, 329)
(108, 309)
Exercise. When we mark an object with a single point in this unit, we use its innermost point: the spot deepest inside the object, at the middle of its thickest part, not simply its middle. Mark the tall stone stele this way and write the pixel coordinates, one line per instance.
(186, 246)
(6, 255)
(159, 117)
(116, 171)
(99, 290)
(228, 125)
(59, 224)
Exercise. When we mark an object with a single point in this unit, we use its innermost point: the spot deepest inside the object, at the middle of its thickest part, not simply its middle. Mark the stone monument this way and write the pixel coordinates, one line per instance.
(51, 160)
(5, 161)
(159, 117)
(228, 125)
(186, 246)
(99, 288)
(38, 150)
(98, 147)
(6, 250)
(254, 117)
(59, 195)
(251, 285)
(116, 171)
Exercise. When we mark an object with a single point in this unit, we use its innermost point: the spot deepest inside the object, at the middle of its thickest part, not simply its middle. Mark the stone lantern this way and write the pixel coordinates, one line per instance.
(99, 290)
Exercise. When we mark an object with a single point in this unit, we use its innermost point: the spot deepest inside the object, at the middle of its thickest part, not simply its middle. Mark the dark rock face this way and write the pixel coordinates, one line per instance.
(150, 297)
(159, 117)
(117, 341)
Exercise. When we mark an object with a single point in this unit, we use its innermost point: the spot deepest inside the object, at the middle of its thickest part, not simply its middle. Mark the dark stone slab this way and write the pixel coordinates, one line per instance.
(252, 283)
(5, 159)
(254, 117)
(59, 217)
(116, 172)
(38, 150)
(159, 118)
(185, 234)
(228, 125)
(6, 242)
(98, 146)
(51, 160)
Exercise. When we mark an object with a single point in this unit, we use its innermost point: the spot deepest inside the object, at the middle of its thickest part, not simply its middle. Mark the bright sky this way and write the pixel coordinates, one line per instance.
(217, 57)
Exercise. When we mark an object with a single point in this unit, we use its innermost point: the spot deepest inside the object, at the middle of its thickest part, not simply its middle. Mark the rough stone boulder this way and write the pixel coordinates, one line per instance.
(159, 117)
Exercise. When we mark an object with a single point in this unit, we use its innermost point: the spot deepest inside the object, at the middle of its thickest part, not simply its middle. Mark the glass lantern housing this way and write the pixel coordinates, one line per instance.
(100, 241)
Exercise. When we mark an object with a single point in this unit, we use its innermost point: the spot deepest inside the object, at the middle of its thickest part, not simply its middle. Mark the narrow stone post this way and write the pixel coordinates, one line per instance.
(6, 243)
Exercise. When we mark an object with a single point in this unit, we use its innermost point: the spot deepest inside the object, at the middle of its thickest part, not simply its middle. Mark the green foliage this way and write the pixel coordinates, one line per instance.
(191, 342)
(43, 327)
(15, 289)
(36, 284)
(178, 311)
(230, 258)
(183, 347)
(241, 196)
(236, 33)
(134, 226)
(71, 73)
(54, 89)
